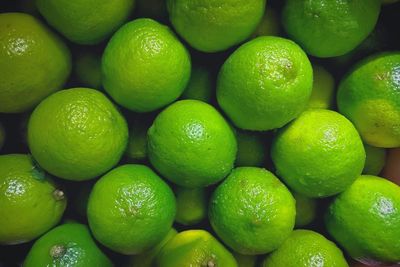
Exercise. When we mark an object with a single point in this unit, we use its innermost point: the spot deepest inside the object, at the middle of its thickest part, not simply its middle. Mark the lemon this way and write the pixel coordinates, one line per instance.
(323, 90)
(375, 160)
(191, 205)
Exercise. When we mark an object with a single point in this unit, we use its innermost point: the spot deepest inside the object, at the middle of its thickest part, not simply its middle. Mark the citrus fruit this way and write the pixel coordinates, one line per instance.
(77, 134)
(265, 83)
(319, 154)
(391, 170)
(323, 90)
(195, 248)
(252, 149)
(245, 260)
(375, 159)
(306, 209)
(131, 209)
(200, 86)
(306, 248)
(145, 66)
(269, 24)
(85, 21)
(365, 219)
(88, 69)
(330, 28)
(191, 144)
(191, 205)
(137, 144)
(370, 97)
(212, 26)
(69, 244)
(2, 135)
(30, 203)
(34, 62)
(252, 211)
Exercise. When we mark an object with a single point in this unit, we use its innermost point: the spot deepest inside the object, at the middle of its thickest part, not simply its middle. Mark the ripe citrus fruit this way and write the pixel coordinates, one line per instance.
(252, 149)
(88, 69)
(306, 209)
(2, 135)
(131, 209)
(323, 90)
(375, 160)
(319, 154)
(34, 62)
(200, 86)
(265, 83)
(191, 205)
(77, 134)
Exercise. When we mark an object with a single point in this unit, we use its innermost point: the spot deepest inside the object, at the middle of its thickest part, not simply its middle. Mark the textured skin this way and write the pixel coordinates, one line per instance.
(323, 92)
(252, 211)
(201, 85)
(215, 25)
(145, 66)
(80, 250)
(375, 160)
(365, 219)
(2, 135)
(252, 149)
(319, 154)
(265, 83)
(191, 205)
(77, 134)
(131, 209)
(85, 22)
(329, 28)
(196, 248)
(306, 209)
(370, 97)
(305, 248)
(28, 207)
(33, 62)
(191, 144)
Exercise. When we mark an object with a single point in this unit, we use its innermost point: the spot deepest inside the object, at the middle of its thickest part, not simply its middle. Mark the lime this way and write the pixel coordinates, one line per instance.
(191, 144)
(252, 211)
(195, 248)
(66, 245)
(191, 205)
(252, 149)
(305, 248)
(370, 97)
(319, 154)
(365, 219)
(2, 135)
(245, 260)
(131, 209)
(30, 203)
(375, 159)
(77, 134)
(328, 28)
(265, 83)
(33, 62)
(269, 25)
(306, 209)
(137, 144)
(145, 66)
(88, 69)
(212, 26)
(323, 90)
(200, 86)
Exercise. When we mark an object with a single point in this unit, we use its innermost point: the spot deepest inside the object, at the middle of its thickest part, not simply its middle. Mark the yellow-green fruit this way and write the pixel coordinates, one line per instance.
(245, 260)
(269, 24)
(77, 134)
(30, 203)
(323, 91)
(2, 135)
(195, 248)
(191, 205)
(306, 209)
(370, 97)
(137, 144)
(200, 86)
(252, 211)
(85, 21)
(34, 62)
(375, 160)
(365, 219)
(212, 26)
(252, 149)
(88, 69)
(145, 66)
(319, 154)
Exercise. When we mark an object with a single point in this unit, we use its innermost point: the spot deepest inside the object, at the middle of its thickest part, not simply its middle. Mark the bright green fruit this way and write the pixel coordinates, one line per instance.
(365, 219)
(2, 135)
(145, 66)
(252, 211)
(370, 97)
(195, 248)
(191, 205)
(215, 25)
(33, 62)
(69, 245)
(88, 69)
(131, 209)
(330, 28)
(265, 83)
(306, 209)
(252, 149)
(200, 86)
(85, 21)
(77, 134)
(30, 203)
(137, 144)
(319, 154)
(375, 160)
(191, 144)
(323, 91)
(245, 260)
(269, 25)
(306, 248)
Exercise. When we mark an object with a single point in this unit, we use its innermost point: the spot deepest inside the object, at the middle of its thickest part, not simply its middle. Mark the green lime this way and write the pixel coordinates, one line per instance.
(69, 245)
(365, 219)
(131, 209)
(30, 203)
(269, 25)
(155, 9)
(305, 248)
(328, 28)
(306, 209)
(145, 66)
(77, 134)
(191, 144)
(2, 135)
(200, 86)
(252, 149)
(252, 211)
(245, 260)
(265, 83)
(319, 154)
(370, 97)
(323, 91)
(33, 62)
(85, 21)
(375, 160)
(137, 144)
(212, 26)
(194, 248)
(191, 205)
(88, 69)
